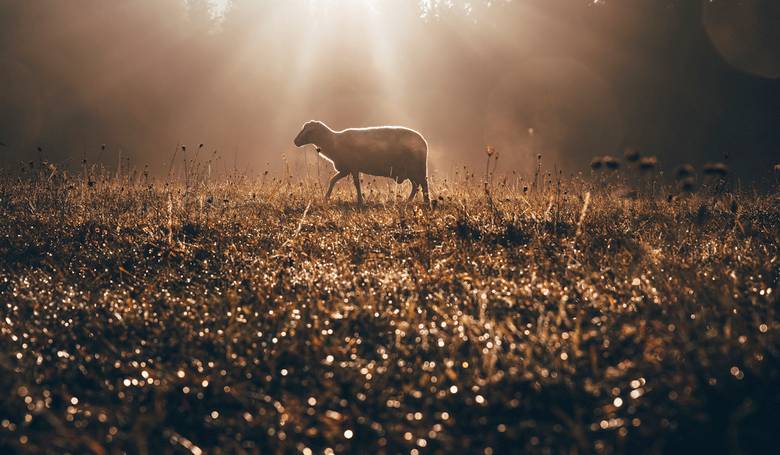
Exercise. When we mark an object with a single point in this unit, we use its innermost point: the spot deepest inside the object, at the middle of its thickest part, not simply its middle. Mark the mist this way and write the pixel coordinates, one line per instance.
(564, 79)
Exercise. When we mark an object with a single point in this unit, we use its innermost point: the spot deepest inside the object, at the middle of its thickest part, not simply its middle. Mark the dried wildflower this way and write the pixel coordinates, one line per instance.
(631, 154)
(489, 150)
(610, 162)
(684, 171)
(648, 163)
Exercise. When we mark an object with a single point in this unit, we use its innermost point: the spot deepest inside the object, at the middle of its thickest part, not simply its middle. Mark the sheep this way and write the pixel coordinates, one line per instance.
(385, 151)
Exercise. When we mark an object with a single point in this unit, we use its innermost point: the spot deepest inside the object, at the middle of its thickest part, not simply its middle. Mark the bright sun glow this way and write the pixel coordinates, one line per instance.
(219, 6)
(330, 31)
(314, 6)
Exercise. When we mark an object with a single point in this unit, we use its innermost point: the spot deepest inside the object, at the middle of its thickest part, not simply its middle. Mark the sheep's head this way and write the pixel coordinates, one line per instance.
(308, 133)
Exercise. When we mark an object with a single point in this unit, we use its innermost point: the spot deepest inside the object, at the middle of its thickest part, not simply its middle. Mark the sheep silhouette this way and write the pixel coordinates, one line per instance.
(385, 151)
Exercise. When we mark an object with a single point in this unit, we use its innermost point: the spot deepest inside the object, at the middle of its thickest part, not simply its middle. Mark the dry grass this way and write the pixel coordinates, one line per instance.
(248, 316)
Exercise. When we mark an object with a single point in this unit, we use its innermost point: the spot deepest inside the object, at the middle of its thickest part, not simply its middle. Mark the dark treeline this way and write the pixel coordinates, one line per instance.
(145, 75)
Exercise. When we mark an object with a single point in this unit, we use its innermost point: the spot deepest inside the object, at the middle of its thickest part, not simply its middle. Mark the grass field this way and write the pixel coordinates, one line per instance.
(249, 316)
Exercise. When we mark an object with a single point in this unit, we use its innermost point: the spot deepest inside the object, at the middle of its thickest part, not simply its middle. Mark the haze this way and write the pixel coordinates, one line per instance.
(566, 79)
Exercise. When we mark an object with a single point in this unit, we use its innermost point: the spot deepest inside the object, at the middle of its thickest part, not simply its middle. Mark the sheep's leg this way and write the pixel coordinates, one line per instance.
(333, 181)
(415, 187)
(426, 196)
(356, 179)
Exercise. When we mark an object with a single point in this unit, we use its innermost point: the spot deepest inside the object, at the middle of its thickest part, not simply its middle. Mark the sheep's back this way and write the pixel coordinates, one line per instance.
(384, 151)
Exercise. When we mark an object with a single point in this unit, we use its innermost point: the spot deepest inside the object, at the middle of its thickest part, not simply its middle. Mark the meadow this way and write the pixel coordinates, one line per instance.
(247, 315)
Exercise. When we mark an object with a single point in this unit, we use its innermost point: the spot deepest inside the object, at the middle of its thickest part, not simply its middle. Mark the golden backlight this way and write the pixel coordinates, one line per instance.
(241, 76)
(344, 61)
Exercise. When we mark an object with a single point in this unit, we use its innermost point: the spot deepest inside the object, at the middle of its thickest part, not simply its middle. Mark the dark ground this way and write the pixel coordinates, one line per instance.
(225, 318)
